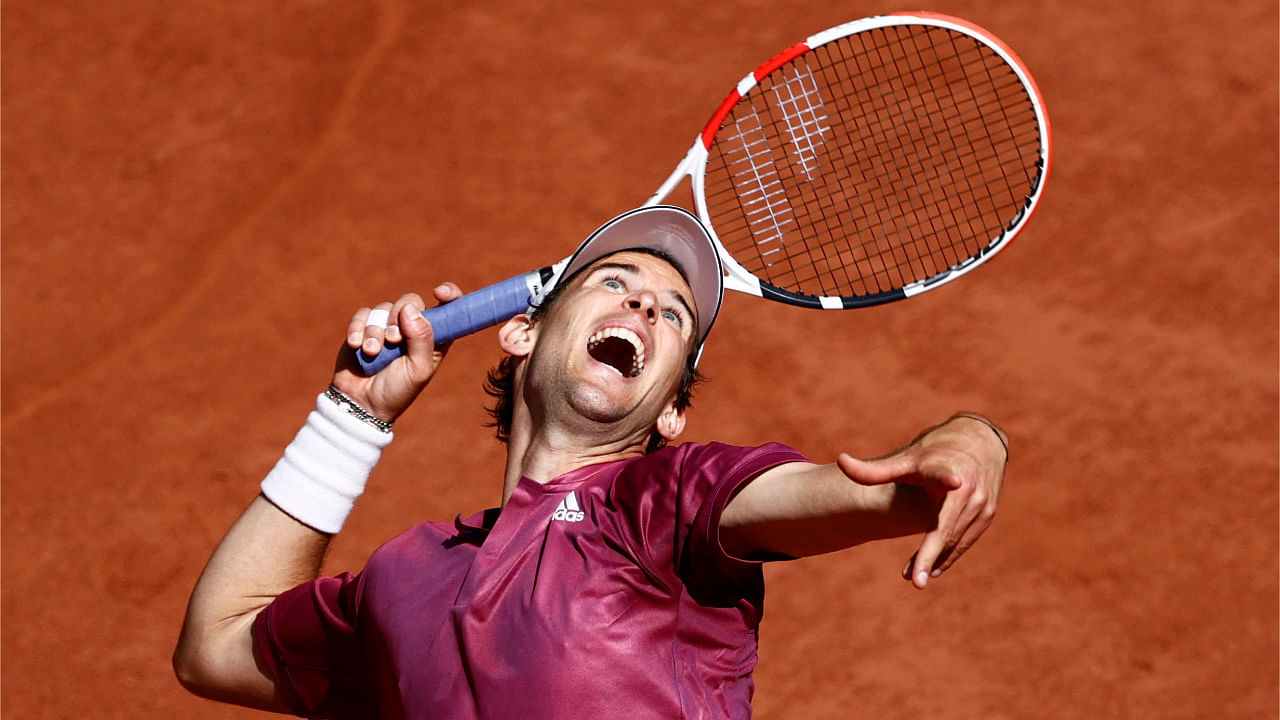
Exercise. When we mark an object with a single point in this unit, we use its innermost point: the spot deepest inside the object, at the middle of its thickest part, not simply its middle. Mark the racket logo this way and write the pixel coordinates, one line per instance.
(755, 175)
(805, 115)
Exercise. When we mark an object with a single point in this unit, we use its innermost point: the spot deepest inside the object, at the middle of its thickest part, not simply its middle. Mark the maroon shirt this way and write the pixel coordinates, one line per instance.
(601, 594)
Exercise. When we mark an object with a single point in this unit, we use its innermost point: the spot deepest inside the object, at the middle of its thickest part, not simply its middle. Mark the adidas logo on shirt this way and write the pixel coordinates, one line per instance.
(568, 510)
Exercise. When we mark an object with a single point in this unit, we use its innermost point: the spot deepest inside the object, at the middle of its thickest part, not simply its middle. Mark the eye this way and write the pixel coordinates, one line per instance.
(674, 317)
(613, 283)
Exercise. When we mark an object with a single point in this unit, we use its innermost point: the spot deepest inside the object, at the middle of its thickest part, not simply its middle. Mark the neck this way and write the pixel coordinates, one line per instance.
(543, 452)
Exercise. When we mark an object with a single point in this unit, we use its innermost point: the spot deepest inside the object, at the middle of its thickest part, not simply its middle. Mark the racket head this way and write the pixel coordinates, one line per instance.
(872, 162)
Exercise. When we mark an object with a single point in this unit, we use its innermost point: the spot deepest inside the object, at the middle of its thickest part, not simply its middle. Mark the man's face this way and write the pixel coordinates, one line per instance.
(615, 344)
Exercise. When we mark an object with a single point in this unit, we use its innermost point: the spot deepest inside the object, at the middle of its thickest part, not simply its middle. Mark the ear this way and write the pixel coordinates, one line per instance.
(671, 422)
(517, 336)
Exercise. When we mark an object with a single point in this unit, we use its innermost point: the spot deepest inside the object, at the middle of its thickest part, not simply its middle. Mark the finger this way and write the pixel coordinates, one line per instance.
(904, 467)
(937, 472)
(447, 292)
(363, 319)
(936, 541)
(420, 350)
(394, 332)
(972, 529)
(949, 558)
(355, 328)
(378, 318)
(876, 472)
(375, 327)
(963, 518)
(921, 564)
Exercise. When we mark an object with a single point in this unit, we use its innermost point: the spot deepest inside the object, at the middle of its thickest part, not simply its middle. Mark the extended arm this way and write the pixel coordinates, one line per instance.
(944, 484)
(274, 547)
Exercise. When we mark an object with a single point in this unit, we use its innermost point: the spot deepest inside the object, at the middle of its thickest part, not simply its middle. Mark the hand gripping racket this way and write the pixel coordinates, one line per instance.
(869, 163)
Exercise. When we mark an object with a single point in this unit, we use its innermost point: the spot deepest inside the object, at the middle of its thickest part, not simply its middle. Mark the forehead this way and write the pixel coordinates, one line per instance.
(641, 261)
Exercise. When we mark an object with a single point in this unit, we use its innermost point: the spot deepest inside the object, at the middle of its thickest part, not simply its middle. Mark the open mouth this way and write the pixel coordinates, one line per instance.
(620, 349)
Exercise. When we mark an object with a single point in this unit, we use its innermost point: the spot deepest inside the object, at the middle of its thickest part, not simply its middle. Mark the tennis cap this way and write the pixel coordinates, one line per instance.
(670, 230)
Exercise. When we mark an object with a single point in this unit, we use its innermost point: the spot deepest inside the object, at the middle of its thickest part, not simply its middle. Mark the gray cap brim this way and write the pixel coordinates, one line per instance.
(670, 230)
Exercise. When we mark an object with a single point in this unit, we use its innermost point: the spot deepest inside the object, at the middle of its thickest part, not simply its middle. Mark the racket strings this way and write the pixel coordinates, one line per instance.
(875, 161)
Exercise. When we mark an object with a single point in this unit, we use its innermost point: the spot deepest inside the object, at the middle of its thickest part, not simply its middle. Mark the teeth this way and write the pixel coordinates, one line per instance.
(637, 357)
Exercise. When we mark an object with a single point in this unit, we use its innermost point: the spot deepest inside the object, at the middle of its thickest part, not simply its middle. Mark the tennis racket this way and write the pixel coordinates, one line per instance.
(870, 163)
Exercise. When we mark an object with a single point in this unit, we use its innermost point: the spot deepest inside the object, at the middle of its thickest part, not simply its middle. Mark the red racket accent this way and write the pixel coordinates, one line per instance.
(780, 59)
(713, 125)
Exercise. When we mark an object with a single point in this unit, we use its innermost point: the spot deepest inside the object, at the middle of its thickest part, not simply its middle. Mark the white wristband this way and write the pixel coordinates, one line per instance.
(325, 468)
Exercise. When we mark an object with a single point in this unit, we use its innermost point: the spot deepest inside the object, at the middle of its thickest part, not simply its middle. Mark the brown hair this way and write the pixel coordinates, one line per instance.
(501, 380)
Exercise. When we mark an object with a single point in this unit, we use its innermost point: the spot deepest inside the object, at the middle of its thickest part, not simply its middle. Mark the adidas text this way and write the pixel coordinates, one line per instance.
(568, 515)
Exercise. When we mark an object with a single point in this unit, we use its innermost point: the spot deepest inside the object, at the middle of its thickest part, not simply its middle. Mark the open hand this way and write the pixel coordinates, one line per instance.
(960, 465)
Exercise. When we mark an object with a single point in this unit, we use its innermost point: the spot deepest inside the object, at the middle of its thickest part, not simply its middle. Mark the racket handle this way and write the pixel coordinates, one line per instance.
(470, 313)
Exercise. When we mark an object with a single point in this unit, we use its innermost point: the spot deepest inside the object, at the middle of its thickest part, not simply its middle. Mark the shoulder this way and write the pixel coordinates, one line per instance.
(720, 459)
(707, 464)
(695, 471)
(428, 544)
(710, 456)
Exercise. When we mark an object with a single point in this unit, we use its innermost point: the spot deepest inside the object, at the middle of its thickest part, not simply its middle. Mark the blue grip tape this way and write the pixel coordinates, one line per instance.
(470, 313)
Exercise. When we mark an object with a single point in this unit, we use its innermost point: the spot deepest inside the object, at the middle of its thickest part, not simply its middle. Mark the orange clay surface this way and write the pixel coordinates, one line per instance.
(197, 195)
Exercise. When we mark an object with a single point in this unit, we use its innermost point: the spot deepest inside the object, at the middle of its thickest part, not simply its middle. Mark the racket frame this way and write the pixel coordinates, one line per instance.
(694, 163)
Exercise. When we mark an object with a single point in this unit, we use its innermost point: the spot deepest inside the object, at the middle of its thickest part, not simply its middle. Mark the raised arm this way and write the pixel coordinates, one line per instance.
(265, 553)
(280, 539)
(945, 484)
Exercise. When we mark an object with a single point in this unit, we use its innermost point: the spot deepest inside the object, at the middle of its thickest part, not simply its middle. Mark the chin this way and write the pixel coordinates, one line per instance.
(598, 405)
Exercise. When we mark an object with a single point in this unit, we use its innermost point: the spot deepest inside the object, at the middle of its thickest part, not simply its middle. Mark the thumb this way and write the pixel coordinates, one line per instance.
(419, 340)
(876, 472)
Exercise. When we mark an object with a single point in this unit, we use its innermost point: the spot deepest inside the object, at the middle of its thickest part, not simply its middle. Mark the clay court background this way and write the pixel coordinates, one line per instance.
(196, 195)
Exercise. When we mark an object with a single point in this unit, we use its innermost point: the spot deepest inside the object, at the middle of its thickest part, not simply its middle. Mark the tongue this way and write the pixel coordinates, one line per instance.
(616, 353)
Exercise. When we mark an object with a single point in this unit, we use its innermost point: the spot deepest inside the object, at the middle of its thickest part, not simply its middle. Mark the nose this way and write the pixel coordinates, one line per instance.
(644, 301)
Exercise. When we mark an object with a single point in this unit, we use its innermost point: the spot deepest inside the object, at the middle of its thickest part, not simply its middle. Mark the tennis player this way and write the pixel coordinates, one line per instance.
(621, 575)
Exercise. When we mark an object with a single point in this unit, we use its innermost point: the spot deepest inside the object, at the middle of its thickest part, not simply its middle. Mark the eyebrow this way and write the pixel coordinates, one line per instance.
(635, 270)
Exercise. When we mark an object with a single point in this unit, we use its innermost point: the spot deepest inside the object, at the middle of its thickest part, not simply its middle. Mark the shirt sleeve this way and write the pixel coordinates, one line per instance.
(723, 471)
(676, 497)
(307, 642)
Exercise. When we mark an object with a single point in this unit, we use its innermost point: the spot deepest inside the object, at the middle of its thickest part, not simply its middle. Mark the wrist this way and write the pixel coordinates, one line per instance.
(1000, 434)
(324, 470)
(354, 409)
